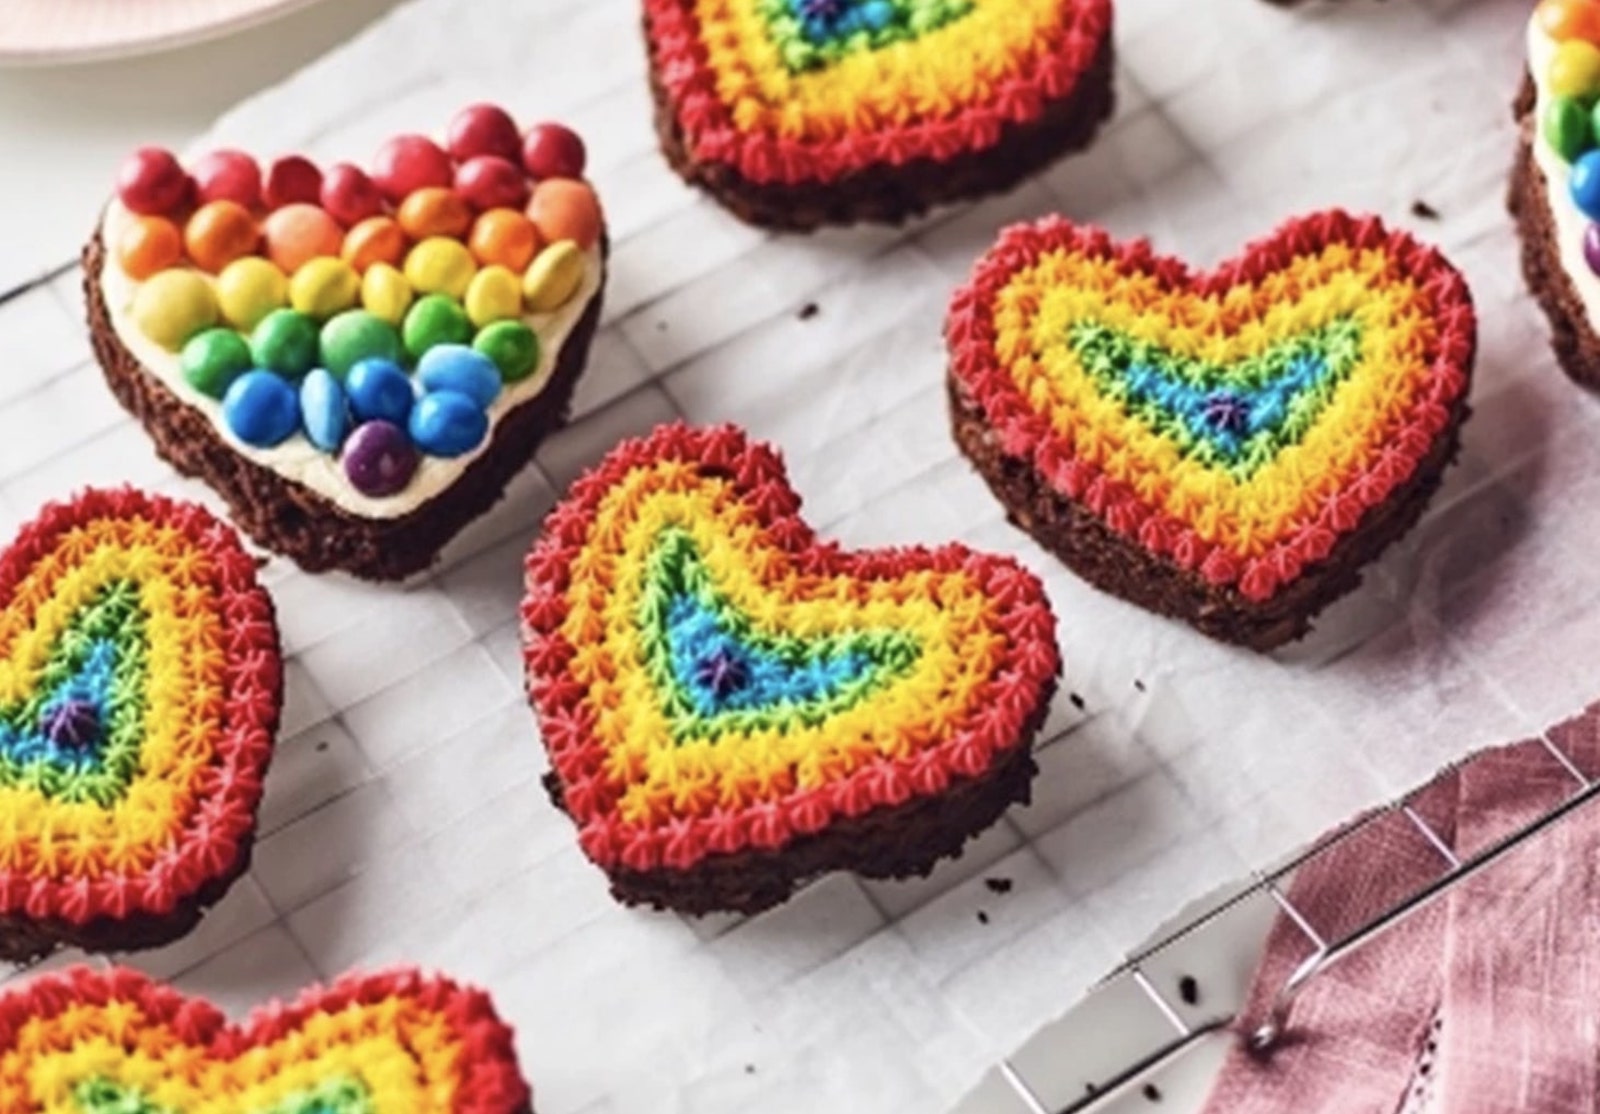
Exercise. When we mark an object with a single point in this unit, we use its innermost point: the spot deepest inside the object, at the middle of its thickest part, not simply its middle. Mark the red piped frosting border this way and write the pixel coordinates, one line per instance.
(1257, 536)
(846, 136)
(642, 801)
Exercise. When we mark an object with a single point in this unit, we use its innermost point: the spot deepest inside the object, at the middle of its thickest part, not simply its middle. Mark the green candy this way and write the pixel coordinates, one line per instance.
(285, 342)
(512, 346)
(213, 359)
(433, 320)
(357, 335)
(1567, 128)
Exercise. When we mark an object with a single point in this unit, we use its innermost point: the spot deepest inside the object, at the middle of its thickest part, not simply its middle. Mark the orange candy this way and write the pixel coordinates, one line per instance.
(566, 209)
(374, 240)
(434, 211)
(218, 233)
(147, 246)
(299, 233)
(504, 237)
(1564, 20)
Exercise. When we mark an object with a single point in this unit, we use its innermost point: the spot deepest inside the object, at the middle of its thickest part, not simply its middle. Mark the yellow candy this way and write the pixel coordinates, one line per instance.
(385, 293)
(248, 289)
(1575, 70)
(494, 294)
(553, 277)
(173, 306)
(440, 265)
(324, 287)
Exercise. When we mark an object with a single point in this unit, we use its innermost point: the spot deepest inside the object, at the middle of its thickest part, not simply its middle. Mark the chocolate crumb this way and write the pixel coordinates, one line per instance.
(998, 885)
(749, 1069)
(808, 311)
(1138, 684)
(1421, 209)
(322, 746)
(1152, 1093)
(983, 918)
(1077, 701)
(1189, 990)
(1090, 1089)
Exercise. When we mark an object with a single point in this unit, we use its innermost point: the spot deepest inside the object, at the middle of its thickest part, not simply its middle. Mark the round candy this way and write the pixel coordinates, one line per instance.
(385, 293)
(1591, 247)
(494, 294)
(357, 335)
(324, 287)
(147, 245)
(324, 410)
(434, 320)
(261, 409)
(218, 233)
(248, 289)
(504, 236)
(228, 176)
(379, 459)
(491, 182)
(408, 163)
(152, 183)
(434, 211)
(1575, 69)
(553, 151)
(378, 389)
(512, 346)
(447, 423)
(554, 277)
(292, 180)
(374, 240)
(173, 306)
(349, 195)
(285, 342)
(1570, 19)
(483, 129)
(440, 266)
(564, 209)
(455, 367)
(299, 233)
(1566, 127)
(1585, 184)
(212, 360)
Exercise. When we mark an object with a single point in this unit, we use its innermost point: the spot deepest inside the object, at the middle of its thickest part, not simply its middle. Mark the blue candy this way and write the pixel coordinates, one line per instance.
(380, 391)
(324, 411)
(1586, 184)
(448, 423)
(261, 408)
(455, 367)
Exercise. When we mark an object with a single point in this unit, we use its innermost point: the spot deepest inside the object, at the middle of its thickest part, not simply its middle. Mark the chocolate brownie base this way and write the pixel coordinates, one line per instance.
(1114, 564)
(902, 842)
(287, 518)
(894, 194)
(1572, 335)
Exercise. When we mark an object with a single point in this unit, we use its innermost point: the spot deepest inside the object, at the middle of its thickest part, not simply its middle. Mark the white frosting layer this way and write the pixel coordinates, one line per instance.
(298, 459)
(1570, 221)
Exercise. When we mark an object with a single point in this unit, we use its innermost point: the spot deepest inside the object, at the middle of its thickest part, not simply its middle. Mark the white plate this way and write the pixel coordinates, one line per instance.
(55, 32)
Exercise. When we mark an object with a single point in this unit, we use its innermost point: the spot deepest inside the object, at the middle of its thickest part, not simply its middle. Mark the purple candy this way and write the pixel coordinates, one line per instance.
(379, 458)
(1591, 247)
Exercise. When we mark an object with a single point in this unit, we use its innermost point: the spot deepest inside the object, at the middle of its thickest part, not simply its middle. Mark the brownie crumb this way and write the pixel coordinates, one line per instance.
(1189, 990)
(998, 885)
(983, 918)
(749, 1069)
(1138, 684)
(322, 746)
(1077, 701)
(808, 311)
(1152, 1093)
(1422, 210)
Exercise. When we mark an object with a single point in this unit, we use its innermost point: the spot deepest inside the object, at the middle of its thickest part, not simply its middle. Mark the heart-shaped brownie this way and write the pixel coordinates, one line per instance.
(140, 683)
(357, 362)
(116, 1042)
(731, 706)
(795, 113)
(1229, 448)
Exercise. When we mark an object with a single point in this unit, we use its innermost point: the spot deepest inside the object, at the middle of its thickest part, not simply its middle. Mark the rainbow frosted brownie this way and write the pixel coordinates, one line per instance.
(116, 1042)
(797, 113)
(1228, 449)
(732, 705)
(140, 683)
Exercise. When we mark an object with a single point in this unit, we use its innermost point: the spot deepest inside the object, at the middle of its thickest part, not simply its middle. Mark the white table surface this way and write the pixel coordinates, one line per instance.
(404, 820)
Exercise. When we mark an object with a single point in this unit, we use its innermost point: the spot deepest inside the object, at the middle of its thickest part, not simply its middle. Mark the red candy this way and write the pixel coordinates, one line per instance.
(490, 182)
(554, 151)
(152, 183)
(228, 176)
(293, 180)
(1565, 20)
(408, 163)
(349, 195)
(484, 129)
